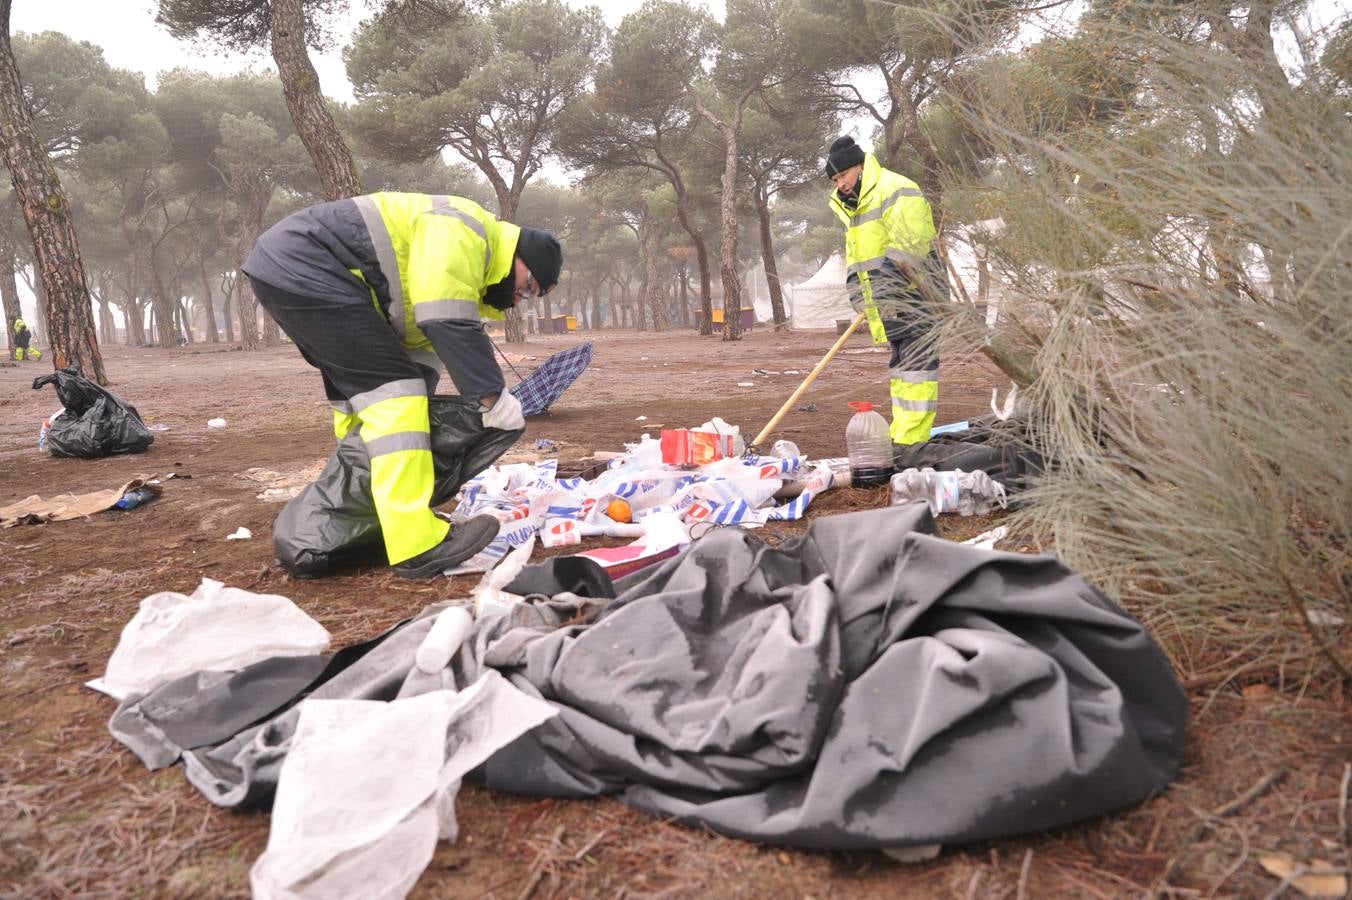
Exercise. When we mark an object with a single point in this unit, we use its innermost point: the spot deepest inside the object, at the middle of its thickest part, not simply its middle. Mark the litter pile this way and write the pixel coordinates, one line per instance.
(865, 686)
(661, 504)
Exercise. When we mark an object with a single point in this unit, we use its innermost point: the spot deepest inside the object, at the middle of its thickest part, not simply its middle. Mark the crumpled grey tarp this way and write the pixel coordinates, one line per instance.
(333, 521)
(864, 686)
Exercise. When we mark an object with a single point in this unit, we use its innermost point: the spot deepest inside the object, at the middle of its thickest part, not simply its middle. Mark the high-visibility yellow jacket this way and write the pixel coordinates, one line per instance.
(425, 260)
(891, 225)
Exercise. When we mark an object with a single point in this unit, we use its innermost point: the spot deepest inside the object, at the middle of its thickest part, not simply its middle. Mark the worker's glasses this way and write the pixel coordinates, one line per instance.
(530, 289)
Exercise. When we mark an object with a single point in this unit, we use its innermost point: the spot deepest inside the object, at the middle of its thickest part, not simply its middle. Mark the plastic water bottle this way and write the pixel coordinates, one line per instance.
(134, 498)
(965, 493)
(443, 639)
(869, 445)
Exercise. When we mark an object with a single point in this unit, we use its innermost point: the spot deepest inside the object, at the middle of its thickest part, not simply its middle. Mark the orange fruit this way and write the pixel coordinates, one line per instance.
(619, 510)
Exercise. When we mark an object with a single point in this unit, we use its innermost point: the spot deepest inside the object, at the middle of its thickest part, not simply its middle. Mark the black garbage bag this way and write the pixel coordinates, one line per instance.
(332, 523)
(1003, 450)
(96, 423)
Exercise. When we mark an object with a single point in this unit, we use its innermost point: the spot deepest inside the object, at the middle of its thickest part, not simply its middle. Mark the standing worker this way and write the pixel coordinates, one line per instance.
(21, 338)
(366, 287)
(889, 244)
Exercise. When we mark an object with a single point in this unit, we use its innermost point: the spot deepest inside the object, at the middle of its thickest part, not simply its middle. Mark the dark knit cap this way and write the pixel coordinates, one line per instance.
(541, 253)
(843, 154)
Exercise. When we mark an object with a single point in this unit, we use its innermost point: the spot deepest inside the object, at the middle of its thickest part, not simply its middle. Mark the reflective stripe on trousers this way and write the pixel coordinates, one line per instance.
(914, 404)
(394, 426)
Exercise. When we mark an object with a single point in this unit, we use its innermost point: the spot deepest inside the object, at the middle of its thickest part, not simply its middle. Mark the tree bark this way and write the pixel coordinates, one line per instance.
(228, 283)
(305, 100)
(184, 319)
(727, 248)
(107, 327)
(166, 329)
(771, 266)
(208, 303)
(248, 318)
(46, 211)
(272, 335)
(652, 282)
(9, 298)
(683, 274)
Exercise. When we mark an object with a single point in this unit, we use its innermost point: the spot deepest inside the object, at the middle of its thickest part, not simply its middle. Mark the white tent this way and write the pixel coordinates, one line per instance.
(821, 300)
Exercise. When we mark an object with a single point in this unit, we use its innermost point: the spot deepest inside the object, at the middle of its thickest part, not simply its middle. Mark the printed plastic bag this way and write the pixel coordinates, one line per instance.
(96, 423)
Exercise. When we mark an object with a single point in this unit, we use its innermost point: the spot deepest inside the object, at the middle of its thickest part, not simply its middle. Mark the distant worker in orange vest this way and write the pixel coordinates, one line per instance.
(889, 245)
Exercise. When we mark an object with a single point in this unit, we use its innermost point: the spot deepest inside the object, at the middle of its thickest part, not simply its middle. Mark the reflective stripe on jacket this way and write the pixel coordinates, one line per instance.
(422, 257)
(892, 225)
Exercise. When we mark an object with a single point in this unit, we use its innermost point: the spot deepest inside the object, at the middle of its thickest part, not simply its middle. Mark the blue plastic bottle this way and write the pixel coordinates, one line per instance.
(135, 497)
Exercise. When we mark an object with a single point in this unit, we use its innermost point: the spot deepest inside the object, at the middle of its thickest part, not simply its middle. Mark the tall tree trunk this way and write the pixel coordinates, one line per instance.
(248, 317)
(46, 211)
(184, 319)
(107, 326)
(229, 281)
(652, 281)
(166, 329)
(40, 328)
(727, 248)
(136, 336)
(9, 298)
(305, 100)
(208, 303)
(272, 335)
(771, 265)
(706, 287)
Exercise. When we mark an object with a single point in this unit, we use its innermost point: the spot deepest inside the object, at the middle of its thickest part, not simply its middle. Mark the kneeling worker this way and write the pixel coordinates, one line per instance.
(366, 284)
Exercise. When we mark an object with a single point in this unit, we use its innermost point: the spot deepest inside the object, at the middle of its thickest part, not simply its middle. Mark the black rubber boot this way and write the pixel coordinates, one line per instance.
(463, 541)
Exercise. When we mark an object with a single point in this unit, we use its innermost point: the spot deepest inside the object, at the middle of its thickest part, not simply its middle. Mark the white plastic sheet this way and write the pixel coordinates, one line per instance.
(367, 787)
(216, 628)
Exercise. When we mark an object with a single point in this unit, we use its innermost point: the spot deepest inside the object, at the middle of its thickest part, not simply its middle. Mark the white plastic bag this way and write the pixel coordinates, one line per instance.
(218, 628)
(367, 787)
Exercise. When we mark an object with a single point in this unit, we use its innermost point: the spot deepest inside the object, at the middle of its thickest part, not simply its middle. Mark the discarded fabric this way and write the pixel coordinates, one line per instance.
(834, 692)
(542, 388)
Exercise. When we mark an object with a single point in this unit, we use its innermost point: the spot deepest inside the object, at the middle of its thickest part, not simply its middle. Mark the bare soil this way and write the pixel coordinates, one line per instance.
(80, 816)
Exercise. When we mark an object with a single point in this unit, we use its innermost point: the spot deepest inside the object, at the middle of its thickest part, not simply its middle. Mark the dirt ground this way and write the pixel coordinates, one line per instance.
(80, 816)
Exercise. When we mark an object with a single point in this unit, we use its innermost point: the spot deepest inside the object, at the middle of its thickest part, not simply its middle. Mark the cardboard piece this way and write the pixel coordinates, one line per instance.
(34, 510)
(686, 447)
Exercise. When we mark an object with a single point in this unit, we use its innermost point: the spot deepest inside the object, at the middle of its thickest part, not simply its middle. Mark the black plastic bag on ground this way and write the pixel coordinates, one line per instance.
(1003, 450)
(96, 423)
(333, 523)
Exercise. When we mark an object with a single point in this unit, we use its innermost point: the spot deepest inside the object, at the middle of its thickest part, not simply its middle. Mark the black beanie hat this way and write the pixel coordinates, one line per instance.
(843, 154)
(541, 253)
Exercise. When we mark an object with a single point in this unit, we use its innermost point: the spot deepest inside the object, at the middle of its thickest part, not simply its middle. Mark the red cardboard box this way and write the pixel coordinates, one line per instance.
(683, 447)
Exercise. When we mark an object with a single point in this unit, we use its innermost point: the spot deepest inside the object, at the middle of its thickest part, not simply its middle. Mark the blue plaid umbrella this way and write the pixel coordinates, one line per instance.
(541, 388)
